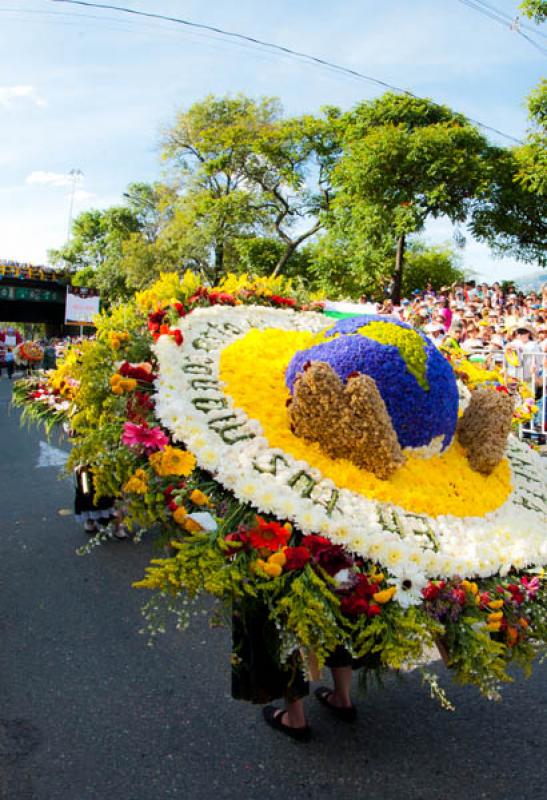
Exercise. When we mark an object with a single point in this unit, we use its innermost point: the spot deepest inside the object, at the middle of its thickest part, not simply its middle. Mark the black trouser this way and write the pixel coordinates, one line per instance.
(10, 366)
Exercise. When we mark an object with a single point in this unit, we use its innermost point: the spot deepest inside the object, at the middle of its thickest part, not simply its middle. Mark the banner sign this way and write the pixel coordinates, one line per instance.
(31, 294)
(81, 305)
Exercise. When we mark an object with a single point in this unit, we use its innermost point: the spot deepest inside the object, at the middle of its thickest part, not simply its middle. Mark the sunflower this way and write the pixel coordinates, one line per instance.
(172, 461)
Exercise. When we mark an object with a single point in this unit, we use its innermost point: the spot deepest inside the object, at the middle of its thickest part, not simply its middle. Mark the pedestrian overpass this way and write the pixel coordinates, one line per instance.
(31, 293)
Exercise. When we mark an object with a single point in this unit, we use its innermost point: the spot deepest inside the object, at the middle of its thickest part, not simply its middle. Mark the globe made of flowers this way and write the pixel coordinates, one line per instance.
(416, 383)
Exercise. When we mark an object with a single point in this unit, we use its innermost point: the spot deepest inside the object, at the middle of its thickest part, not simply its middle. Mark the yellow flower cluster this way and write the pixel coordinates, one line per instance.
(385, 595)
(137, 483)
(476, 375)
(253, 371)
(273, 567)
(172, 461)
(122, 385)
(180, 515)
(117, 339)
(169, 288)
(261, 286)
(199, 498)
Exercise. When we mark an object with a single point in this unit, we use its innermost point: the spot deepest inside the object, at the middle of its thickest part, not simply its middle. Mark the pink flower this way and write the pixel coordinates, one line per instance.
(149, 438)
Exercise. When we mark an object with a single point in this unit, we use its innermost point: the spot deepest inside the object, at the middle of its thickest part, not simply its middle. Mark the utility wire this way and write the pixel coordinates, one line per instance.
(513, 21)
(507, 22)
(271, 46)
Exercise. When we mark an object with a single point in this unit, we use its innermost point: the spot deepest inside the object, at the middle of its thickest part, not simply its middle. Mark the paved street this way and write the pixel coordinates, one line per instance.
(87, 710)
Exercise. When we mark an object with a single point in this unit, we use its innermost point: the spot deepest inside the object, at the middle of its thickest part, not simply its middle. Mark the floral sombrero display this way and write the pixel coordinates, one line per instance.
(270, 404)
(335, 473)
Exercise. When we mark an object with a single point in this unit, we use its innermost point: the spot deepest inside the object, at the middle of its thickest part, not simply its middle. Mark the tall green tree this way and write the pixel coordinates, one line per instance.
(96, 246)
(241, 171)
(404, 160)
(508, 215)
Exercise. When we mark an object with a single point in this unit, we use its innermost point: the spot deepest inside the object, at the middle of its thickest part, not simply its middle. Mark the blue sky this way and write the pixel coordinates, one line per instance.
(90, 90)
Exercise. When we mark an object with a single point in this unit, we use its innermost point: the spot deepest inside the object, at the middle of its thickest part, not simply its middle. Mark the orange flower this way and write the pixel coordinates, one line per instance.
(179, 515)
(512, 636)
(199, 498)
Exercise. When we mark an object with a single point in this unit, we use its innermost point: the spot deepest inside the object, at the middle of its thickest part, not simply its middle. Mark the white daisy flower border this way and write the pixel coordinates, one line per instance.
(192, 405)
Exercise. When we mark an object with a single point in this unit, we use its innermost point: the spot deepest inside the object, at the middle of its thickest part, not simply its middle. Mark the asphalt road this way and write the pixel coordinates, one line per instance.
(87, 710)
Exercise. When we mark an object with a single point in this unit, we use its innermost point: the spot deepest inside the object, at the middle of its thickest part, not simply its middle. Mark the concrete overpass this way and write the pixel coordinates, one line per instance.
(31, 293)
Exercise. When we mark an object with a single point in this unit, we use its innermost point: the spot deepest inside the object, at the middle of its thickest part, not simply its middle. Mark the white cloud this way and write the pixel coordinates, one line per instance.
(58, 179)
(11, 94)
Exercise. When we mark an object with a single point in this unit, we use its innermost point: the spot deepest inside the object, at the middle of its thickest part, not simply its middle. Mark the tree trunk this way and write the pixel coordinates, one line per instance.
(398, 276)
(219, 261)
(289, 250)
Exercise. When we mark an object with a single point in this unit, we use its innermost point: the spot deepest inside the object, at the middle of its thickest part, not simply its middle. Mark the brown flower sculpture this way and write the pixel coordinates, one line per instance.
(484, 428)
(348, 421)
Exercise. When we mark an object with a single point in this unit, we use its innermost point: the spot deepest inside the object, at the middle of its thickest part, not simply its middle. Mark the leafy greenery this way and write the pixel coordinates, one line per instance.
(404, 160)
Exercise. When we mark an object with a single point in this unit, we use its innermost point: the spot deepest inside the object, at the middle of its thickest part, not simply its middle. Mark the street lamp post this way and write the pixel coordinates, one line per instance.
(75, 175)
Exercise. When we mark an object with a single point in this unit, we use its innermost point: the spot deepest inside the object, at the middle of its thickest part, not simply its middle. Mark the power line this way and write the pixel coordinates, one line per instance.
(507, 22)
(272, 46)
(513, 21)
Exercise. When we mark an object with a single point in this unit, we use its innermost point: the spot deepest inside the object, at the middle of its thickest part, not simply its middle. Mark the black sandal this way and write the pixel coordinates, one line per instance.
(273, 715)
(348, 714)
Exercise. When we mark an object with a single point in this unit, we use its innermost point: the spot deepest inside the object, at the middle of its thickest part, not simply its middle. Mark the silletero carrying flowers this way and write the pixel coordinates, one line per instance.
(346, 498)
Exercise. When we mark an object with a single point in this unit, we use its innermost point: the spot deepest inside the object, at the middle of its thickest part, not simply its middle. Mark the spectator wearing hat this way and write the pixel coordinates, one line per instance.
(518, 352)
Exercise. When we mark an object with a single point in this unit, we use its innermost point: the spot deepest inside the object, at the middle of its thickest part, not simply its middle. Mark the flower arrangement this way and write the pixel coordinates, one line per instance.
(182, 408)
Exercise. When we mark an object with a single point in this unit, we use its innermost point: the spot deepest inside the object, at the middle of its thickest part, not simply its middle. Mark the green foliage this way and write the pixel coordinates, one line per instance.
(241, 171)
(535, 9)
(509, 216)
(438, 265)
(532, 156)
(404, 160)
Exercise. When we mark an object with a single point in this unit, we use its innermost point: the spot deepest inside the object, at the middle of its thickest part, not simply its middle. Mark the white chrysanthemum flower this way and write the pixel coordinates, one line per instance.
(409, 583)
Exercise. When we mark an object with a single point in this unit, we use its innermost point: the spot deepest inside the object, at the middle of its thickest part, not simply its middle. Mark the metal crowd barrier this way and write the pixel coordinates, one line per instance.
(530, 368)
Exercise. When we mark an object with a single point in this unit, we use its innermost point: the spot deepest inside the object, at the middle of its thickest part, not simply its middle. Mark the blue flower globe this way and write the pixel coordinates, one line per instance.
(416, 382)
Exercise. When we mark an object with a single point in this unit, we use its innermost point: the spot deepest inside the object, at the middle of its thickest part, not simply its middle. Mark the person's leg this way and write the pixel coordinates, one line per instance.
(293, 714)
(340, 696)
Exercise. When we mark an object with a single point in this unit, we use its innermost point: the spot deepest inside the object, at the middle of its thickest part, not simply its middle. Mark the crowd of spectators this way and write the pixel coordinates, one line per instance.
(502, 328)
(477, 318)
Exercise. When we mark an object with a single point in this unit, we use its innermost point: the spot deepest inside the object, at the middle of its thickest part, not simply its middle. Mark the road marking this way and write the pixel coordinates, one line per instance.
(51, 456)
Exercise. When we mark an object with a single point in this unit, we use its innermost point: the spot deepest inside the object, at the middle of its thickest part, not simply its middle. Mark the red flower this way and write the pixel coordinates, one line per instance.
(198, 295)
(270, 535)
(431, 591)
(172, 505)
(221, 298)
(239, 536)
(155, 320)
(282, 301)
(352, 605)
(177, 335)
(364, 588)
(137, 371)
(181, 311)
(333, 559)
(374, 610)
(459, 596)
(315, 543)
(297, 557)
(485, 598)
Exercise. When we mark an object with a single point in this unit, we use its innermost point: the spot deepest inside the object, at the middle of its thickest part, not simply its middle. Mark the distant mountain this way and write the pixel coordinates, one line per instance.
(532, 282)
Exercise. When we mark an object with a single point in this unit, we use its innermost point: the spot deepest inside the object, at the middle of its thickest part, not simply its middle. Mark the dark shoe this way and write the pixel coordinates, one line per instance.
(273, 715)
(348, 714)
